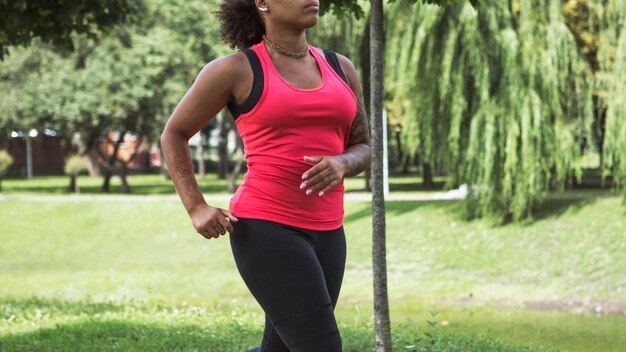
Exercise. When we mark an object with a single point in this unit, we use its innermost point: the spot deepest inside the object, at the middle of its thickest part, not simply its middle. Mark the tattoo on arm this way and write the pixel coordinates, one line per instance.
(181, 171)
(357, 157)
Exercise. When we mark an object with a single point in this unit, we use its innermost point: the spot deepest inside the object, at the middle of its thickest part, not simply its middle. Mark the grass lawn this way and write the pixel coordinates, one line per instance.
(135, 275)
(153, 184)
(46, 325)
(157, 184)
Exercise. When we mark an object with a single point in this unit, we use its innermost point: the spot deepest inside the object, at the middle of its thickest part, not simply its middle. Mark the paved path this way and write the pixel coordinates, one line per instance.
(349, 197)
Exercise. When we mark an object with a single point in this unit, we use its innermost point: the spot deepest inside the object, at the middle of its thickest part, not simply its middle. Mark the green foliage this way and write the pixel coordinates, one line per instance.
(474, 3)
(75, 164)
(580, 17)
(342, 8)
(129, 80)
(343, 34)
(5, 161)
(55, 21)
(611, 87)
(29, 82)
(433, 334)
(498, 98)
(348, 8)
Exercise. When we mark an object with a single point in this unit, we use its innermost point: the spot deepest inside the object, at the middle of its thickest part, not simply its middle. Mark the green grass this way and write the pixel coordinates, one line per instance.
(139, 184)
(573, 249)
(152, 184)
(145, 184)
(147, 252)
(50, 325)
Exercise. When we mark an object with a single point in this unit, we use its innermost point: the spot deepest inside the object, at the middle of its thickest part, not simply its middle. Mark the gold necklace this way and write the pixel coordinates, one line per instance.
(285, 52)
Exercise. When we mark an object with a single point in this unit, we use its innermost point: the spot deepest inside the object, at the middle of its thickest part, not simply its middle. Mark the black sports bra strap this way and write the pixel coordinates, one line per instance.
(257, 86)
(331, 57)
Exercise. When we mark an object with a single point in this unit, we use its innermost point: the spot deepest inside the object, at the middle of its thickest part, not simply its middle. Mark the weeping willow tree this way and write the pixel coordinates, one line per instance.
(610, 17)
(342, 34)
(497, 98)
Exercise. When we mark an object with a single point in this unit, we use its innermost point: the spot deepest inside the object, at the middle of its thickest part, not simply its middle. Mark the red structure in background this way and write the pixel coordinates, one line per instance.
(140, 155)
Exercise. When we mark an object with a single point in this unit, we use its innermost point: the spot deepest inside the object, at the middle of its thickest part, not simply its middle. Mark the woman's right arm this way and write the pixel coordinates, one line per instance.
(217, 83)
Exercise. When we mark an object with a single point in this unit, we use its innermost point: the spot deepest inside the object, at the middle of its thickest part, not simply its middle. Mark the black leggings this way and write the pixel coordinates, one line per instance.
(295, 274)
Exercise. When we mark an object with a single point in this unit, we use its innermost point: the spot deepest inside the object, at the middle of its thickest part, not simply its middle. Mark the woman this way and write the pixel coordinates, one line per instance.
(304, 129)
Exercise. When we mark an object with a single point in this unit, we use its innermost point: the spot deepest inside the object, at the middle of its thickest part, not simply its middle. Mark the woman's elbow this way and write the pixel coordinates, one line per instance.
(170, 135)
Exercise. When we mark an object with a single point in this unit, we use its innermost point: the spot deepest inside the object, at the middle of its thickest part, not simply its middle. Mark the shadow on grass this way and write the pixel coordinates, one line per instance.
(93, 326)
(398, 208)
(398, 185)
(39, 189)
(417, 186)
(140, 189)
(454, 209)
(551, 208)
(93, 335)
(357, 215)
(105, 326)
(16, 306)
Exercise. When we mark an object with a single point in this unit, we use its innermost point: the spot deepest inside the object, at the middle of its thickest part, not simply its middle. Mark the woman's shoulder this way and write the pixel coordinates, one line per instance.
(232, 65)
(230, 73)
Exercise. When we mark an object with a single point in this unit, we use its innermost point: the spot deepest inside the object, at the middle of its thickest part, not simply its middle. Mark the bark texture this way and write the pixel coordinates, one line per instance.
(379, 256)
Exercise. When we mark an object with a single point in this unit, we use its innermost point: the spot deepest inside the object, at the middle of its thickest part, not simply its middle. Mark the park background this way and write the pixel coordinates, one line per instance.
(522, 99)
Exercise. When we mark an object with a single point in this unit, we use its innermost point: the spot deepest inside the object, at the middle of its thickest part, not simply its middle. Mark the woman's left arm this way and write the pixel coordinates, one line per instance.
(330, 170)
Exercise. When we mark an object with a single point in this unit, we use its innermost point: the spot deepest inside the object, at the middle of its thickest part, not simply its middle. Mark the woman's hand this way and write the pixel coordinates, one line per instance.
(211, 222)
(327, 174)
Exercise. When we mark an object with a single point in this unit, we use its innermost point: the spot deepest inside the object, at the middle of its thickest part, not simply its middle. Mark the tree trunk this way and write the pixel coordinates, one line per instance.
(399, 152)
(232, 184)
(222, 145)
(365, 69)
(599, 127)
(507, 215)
(108, 173)
(163, 170)
(379, 256)
(200, 155)
(89, 151)
(406, 163)
(123, 174)
(106, 184)
(71, 188)
(427, 175)
(93, 166)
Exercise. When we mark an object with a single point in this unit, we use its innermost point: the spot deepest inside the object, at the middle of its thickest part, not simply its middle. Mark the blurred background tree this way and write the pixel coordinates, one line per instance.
(55, 21)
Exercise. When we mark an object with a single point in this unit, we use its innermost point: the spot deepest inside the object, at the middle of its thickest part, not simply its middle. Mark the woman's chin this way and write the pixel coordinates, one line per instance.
(310, 22)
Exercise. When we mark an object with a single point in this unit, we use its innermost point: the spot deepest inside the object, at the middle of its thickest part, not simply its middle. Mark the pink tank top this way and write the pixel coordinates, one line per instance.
(286, 124)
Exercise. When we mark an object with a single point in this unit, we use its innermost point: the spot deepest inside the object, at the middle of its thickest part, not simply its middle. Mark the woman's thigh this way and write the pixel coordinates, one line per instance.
(280, 266)
(331, 253)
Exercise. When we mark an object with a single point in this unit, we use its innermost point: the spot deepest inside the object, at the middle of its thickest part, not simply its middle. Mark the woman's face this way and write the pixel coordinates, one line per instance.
(301, 14)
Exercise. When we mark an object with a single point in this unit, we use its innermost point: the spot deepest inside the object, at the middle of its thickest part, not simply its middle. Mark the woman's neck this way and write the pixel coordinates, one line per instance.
(290, 40)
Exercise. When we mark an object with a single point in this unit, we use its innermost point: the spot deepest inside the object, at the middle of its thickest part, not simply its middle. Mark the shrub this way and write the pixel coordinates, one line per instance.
(5, 161)
(74, 165)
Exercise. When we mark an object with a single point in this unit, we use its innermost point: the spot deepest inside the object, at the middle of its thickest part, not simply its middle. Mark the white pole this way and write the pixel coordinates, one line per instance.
(385, 156)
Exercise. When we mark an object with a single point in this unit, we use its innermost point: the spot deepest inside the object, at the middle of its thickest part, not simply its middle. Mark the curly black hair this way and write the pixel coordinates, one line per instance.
(240, 23)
